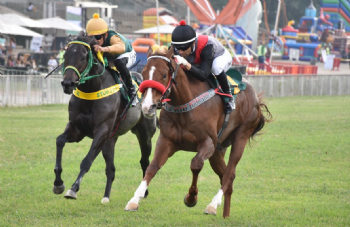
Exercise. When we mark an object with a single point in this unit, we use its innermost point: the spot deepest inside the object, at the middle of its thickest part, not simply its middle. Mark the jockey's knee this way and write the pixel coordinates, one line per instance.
(120, 63)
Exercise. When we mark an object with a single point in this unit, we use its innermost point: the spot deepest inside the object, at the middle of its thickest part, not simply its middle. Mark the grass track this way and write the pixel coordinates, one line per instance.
(296, 174)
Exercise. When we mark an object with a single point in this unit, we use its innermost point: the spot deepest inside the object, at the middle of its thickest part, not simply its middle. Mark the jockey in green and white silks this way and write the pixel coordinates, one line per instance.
(114, 43)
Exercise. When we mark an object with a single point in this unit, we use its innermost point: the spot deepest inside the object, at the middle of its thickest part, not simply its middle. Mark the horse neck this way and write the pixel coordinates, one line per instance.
(96, 83)
(186, 90)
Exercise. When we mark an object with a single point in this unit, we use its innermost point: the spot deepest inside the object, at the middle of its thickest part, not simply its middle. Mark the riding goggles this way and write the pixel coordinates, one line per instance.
(98, 37)
(182, 48)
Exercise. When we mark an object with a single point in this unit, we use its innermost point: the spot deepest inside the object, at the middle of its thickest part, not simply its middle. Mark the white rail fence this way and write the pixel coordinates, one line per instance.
(24, 90)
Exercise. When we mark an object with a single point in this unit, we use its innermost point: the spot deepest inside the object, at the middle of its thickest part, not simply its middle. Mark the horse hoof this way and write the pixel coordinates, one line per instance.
(190, 204)
(210, 210)
(131, 207)
(58, 189)
(105, 200)
(146, 194)
(70, 194)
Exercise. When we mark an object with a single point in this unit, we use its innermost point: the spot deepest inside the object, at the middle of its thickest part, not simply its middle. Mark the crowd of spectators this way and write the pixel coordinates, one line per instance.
(32, 62)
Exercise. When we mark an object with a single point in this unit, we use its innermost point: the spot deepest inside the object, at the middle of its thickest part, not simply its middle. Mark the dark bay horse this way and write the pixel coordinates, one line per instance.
(196, 130)
(94, 111)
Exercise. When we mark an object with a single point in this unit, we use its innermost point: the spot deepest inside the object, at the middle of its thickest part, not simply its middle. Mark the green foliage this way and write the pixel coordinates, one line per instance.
(296, 174)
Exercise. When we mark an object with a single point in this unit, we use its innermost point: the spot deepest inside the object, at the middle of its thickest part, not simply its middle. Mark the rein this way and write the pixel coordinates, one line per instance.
(158, 86)
(84, 75)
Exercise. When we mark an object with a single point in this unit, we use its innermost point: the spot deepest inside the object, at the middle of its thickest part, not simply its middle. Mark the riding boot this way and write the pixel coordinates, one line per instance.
(225, 86)
(131, 90)
(124, 71)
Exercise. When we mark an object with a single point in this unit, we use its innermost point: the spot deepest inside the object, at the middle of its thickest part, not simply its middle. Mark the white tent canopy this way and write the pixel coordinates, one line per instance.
(13, 29)
(22, 21)
(163, 29)
(59, 23)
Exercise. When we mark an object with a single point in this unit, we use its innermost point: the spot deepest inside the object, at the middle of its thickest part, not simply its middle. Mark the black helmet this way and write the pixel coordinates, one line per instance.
(183, 36)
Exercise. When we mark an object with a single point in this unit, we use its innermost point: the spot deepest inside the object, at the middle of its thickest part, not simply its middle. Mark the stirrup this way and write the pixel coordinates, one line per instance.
(134, 101)
(230, 106)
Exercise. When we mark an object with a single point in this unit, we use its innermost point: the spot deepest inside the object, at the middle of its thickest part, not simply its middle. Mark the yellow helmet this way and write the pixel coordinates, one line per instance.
(96, 26)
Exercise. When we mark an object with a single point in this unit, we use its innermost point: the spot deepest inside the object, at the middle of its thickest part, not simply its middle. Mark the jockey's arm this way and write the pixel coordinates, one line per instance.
(117, 46)
(203, 71)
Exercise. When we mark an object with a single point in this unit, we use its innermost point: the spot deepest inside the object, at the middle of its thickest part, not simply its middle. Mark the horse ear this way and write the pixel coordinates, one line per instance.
(170, 52)
(149, 52)
(70, 38)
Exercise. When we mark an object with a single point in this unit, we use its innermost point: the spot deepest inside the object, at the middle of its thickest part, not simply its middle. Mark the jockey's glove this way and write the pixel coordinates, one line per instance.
(180, 60)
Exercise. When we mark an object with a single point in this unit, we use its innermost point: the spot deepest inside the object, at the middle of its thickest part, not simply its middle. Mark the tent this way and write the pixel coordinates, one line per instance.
(163, 29)
(13, 29)
(22, 20)
(59, 23)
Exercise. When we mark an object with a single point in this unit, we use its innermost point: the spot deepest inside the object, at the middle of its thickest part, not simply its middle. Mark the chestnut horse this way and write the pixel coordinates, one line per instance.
(95, 111)
(197, 129)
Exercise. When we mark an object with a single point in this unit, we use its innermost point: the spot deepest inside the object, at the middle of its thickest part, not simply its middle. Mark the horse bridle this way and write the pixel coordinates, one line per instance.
(83, 76)
(154, 84)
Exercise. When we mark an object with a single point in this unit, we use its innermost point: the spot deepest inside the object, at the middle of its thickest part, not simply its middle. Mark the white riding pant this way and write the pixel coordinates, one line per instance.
(131, 56)
(221, 63)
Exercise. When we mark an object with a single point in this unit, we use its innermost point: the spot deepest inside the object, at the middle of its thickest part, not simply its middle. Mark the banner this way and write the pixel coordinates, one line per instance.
(35, 43)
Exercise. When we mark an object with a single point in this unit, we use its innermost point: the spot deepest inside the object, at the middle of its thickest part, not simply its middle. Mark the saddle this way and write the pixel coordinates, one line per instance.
(234, 78)
(119, 80)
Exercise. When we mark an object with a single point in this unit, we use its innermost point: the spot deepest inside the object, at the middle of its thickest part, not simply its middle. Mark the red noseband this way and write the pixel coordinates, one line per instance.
(152, 84)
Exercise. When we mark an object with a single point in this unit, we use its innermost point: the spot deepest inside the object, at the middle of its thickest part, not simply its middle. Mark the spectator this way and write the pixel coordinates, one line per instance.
(2, 56)
(10, 61)
(12, 45)
(60, 55)
(52, 63)
(32, 65)
(20, 61)
(261, 54)
(268, 55)
(31, 7)
(40, 50)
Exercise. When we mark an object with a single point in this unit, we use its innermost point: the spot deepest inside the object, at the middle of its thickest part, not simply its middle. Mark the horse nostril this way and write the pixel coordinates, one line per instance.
(152, 107)
(72, 84)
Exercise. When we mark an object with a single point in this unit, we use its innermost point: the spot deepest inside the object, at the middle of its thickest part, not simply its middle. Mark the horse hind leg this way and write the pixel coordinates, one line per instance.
(226, 189)
(70, 134)
(108, 155)
(217, 163)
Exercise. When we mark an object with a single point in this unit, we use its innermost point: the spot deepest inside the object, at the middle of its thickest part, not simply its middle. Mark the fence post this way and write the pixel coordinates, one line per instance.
(7, 90)
(302, 85)
(282, 86)
(271, 86)
(48, 91)
(29, 81)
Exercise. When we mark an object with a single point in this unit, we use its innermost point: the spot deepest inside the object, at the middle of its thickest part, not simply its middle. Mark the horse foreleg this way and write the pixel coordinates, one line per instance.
(70, 134)
(99, 139)
(108, 155)
(164, 150)
(205, 151)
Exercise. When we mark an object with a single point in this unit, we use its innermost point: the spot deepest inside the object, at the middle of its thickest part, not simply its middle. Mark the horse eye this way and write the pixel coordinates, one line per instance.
(164, 77)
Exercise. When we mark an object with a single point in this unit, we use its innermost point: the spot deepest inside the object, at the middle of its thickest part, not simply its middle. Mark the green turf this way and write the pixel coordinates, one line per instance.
(296, 174)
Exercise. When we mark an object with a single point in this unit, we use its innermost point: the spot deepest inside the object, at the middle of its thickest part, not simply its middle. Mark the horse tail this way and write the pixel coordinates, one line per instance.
(265, 116)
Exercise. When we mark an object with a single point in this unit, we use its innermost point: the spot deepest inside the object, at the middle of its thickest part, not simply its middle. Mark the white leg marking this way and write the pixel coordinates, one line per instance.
(139, 193)
(217, 199)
